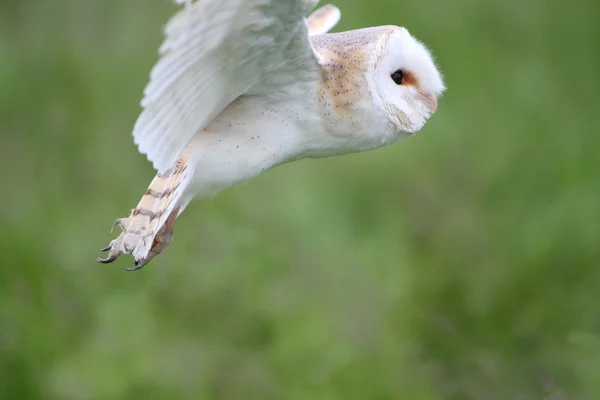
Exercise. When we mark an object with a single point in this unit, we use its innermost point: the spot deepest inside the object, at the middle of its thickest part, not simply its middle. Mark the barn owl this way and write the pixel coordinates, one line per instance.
(242, 86)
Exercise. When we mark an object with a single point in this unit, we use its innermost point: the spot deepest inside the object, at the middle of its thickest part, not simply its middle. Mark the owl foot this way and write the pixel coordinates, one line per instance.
(134, 239)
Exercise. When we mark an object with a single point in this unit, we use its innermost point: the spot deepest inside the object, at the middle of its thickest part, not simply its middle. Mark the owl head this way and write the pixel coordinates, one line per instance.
(405, 82)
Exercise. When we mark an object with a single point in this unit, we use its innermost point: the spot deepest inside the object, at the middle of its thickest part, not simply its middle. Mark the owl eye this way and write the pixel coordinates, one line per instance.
(398, 77)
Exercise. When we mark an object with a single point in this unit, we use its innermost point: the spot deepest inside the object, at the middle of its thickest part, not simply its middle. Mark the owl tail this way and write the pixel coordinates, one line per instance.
(149, 228)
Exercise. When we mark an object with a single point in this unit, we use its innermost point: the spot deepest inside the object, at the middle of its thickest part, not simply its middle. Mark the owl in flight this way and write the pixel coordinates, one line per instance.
(242, 86)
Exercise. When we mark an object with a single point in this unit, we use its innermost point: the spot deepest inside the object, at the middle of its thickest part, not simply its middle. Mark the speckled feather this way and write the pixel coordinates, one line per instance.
(347, 60)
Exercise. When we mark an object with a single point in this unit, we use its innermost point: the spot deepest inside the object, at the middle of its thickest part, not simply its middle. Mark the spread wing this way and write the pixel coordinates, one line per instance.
(215, 51)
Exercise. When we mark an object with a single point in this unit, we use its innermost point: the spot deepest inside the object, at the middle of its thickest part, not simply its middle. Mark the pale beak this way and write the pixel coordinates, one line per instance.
(432, 100)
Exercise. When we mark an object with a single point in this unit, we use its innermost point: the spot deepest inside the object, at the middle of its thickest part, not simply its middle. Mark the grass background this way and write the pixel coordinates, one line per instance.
(459, 264)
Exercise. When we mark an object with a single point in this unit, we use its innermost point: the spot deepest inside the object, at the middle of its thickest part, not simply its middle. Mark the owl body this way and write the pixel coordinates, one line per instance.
(227, 103)
(323, 115)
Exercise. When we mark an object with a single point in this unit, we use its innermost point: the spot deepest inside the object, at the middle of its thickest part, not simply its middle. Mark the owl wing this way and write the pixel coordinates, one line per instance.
(323, 20)
(215, 51)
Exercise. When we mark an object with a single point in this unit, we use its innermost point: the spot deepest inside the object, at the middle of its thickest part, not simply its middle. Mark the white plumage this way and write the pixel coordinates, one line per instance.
(245, 85)
(215, 51)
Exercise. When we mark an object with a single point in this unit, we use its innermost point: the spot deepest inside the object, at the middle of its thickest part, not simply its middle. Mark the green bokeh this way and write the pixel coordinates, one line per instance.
(460, 264)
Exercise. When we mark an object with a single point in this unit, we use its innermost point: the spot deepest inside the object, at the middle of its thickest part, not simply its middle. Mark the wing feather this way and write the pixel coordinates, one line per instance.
(213, 52)
(323, 20)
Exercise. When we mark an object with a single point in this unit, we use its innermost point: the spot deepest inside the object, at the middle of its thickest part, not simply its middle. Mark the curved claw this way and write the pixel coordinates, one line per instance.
(107, 248)
(107, 260)
(136, 265)
(118, 222)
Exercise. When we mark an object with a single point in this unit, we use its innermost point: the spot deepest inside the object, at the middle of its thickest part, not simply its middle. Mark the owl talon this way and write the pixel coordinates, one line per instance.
(116, 247)
(136, 265)
(120, 222)
(114, 253)
(130, 240)
(107, 260)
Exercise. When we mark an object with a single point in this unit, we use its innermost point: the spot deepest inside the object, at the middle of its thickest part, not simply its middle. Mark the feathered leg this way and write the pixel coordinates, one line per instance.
(149, 228)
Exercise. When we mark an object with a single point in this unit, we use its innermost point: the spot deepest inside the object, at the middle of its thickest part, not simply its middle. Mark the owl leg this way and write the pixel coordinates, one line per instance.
(162, 239)
(149, 228)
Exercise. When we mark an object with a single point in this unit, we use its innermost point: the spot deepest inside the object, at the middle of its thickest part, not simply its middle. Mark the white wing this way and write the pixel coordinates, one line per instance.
(323, 20)
(215, 51)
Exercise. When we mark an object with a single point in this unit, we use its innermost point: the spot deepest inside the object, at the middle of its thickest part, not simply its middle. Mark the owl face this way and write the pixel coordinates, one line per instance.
(406, 81)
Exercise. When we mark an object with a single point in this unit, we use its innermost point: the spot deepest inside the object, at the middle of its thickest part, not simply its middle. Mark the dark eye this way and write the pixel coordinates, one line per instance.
(398, 77)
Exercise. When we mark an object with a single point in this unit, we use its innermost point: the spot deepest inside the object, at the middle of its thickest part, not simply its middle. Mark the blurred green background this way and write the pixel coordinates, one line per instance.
(460, 264)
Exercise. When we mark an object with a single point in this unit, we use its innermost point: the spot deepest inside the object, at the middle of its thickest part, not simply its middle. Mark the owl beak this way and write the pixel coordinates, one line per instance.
(432, 100)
